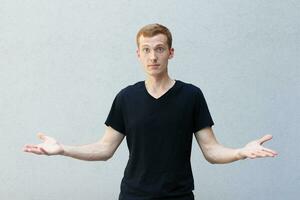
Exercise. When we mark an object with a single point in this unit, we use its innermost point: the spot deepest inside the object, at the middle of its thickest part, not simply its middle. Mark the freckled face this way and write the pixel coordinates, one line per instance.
(154, 53)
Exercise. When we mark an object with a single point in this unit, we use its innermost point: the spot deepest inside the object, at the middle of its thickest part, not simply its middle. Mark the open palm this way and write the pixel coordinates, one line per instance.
(49, 146)
(255, 149)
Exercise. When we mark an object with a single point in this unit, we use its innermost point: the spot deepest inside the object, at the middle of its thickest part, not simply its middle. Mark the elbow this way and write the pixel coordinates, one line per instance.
(208, 155)
(211, 157)
(106, 157)
(100, 157)
(212, 154)
(104, 153)
(211, 161)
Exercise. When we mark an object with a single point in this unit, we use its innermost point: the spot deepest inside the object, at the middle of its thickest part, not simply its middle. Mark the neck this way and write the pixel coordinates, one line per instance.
(159, 83)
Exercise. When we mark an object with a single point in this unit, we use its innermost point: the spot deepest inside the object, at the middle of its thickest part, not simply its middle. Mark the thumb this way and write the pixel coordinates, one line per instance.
(41, 136)
(265, 138)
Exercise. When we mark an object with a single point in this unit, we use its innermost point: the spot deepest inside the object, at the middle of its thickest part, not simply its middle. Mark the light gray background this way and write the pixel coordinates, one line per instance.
(63, 62)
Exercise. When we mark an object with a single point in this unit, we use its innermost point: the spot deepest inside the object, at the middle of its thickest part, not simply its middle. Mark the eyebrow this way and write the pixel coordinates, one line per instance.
(159, 45)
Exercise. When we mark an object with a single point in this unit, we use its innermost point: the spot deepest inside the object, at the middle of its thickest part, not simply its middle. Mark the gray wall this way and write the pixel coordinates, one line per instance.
(62, 63)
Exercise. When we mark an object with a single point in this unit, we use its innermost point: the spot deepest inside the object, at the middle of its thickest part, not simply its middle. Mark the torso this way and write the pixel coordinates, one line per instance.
(159, 132)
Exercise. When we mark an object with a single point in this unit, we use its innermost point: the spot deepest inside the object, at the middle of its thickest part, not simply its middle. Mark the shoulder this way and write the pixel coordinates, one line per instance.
(131, 89)
(190, 88)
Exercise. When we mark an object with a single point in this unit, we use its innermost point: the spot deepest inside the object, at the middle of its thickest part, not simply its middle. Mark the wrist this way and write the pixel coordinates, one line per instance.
(63, 150)
(240, 155)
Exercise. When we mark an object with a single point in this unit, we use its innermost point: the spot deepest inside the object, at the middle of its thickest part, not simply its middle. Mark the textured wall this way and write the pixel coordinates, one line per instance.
(62, 63)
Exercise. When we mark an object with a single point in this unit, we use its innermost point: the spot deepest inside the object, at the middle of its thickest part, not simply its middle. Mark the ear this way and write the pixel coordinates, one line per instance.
(171, 55)
(138, 53)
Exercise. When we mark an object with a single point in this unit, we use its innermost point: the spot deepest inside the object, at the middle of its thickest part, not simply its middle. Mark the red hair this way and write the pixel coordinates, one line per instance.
(151, 30)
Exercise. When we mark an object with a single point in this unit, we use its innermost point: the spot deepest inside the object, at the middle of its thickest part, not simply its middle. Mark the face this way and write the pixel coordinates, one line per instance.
(154, 53)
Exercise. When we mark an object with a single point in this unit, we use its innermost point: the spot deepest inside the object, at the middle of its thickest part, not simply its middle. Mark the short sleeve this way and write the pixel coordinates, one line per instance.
(115, 118)
(202, 117)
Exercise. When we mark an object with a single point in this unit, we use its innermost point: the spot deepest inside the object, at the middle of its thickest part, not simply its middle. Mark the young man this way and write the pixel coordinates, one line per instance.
(158, 116)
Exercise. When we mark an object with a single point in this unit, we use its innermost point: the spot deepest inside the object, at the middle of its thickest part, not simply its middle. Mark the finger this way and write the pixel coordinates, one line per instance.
(44, 151)
(46, 138)
(251, 155)
(265, 138)
(262, 154)
(41, 136)
(267, 154)
(30, 146)
(33, 150)
(270, 151)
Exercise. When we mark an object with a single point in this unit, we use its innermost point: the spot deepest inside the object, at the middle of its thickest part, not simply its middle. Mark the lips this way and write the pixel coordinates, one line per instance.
(154, 65)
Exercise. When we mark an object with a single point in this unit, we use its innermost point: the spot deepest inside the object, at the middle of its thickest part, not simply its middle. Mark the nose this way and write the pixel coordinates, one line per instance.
(153, 56)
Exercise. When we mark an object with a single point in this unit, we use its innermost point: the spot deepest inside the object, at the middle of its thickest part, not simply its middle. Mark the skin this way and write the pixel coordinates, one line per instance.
(154, 54)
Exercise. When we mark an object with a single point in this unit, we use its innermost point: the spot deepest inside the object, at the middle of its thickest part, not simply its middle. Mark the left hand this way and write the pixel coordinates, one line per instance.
(255, 149)
(49, 146)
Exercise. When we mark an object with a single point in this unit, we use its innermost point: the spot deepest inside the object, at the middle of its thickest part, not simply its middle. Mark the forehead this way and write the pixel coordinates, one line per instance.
(159, 39)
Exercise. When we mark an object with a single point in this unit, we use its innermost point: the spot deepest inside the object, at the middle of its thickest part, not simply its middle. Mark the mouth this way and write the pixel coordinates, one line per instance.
(154, 65)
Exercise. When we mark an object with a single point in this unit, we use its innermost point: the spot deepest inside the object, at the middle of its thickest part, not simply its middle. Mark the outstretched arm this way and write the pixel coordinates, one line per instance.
(101, 150)
(216, 153)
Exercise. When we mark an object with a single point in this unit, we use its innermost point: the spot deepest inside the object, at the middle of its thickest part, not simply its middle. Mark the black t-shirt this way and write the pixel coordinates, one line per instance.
(159, 135)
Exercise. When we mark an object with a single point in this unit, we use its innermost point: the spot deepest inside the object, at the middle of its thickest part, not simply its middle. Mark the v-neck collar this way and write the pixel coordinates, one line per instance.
(163, 95)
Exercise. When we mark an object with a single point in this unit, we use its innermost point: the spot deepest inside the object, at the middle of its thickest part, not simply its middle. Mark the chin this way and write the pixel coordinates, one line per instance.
(155, 73)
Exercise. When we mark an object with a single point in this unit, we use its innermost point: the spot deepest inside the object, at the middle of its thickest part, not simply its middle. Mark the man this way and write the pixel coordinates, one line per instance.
(158, 116)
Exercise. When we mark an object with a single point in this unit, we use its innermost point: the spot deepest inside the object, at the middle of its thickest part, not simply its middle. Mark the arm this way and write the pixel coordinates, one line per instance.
(101, 150)
(216, 153)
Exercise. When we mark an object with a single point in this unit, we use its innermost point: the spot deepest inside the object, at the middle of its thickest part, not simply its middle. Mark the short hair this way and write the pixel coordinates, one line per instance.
(151, 30)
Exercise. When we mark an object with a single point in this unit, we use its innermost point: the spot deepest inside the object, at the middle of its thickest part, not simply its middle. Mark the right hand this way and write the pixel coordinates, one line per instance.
(49, 146)
(255, 149)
